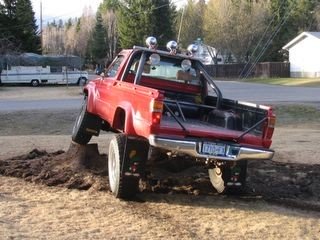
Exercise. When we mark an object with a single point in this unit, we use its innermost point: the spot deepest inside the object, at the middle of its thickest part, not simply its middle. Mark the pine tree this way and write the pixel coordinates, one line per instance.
(164, 15)
(99, 39)
(28, 30)
(139, 19)
(19, 24)
(8, 21)
(291, 17)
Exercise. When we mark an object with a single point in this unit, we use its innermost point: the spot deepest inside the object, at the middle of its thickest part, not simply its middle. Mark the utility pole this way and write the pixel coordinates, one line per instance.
(41, 35)
(182, 15)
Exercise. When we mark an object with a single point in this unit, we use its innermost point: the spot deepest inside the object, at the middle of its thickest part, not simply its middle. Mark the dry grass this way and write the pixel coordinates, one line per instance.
(301, 82)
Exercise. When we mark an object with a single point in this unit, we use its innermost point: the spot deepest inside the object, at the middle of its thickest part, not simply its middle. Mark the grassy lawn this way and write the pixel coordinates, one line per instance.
(301, 82)
(297, 114)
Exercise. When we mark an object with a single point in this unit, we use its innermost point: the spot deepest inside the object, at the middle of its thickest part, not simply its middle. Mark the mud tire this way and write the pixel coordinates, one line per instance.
(79, 134)
(124, 187)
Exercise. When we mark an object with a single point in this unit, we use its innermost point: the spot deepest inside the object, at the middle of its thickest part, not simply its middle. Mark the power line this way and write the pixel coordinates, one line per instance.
(278, 27)
(273, 35)
(260, 41)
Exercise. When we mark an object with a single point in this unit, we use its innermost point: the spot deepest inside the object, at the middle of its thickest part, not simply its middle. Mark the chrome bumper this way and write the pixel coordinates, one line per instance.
(192, 147)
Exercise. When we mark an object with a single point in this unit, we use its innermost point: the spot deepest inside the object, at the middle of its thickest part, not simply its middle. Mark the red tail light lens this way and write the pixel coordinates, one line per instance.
(156, 117)
(156, 108)
(270, 127)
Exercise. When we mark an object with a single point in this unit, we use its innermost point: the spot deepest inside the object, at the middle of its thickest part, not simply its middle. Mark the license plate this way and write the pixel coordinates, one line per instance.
(214, 149)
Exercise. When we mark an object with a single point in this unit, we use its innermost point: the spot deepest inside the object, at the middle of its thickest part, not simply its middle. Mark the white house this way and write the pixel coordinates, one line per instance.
(304, 55)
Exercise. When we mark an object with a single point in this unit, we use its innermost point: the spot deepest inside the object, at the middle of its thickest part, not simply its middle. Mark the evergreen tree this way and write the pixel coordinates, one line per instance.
(19, 24)
(28, 30)
(139, 19)
(99, 39)
(163, 21)
(134, 22)
(291, 17)
(8, 20)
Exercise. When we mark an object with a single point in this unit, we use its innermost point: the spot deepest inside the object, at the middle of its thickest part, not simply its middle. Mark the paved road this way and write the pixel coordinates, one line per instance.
(262, 93)
(257, 93)
(18, 105)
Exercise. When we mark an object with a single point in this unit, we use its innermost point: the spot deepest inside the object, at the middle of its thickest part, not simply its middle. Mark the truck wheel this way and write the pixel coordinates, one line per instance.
(79, 134)
(35, 83)
(120, 185)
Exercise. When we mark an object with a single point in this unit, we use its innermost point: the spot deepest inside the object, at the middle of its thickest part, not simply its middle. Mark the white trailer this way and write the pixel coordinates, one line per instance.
(36, 75)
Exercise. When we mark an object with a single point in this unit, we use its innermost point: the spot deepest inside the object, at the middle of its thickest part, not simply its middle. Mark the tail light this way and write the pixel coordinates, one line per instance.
(156, 108)
(270, 126)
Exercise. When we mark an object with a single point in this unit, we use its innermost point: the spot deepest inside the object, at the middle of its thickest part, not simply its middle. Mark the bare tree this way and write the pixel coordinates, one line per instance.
(53, 39)
(109, 11)
(71, 37)
(191, 22)
(110, 22)
(234, 27)
(83, 32)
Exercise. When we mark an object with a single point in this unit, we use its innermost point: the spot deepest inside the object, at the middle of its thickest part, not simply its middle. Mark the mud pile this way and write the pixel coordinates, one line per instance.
(84, 168)
(81, 167)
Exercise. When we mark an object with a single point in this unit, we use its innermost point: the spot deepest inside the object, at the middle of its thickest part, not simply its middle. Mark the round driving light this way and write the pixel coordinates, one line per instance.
(192, 48)
(151, 42)
(154, 59)
(172, 46)
(186, 64)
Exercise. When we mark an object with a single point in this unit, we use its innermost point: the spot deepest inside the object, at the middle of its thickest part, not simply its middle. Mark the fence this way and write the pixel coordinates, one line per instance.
(266, 69)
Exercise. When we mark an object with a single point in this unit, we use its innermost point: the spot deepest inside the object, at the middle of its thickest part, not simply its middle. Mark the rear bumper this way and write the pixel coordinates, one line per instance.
(233, 152)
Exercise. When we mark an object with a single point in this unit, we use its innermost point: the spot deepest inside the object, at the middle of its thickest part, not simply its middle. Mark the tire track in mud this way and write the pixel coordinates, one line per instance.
(84, 168)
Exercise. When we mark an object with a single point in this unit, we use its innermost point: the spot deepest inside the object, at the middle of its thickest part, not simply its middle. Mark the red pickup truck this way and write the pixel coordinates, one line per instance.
(165, 104)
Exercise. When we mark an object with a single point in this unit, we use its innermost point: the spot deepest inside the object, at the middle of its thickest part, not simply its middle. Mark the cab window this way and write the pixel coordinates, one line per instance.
(114, 67)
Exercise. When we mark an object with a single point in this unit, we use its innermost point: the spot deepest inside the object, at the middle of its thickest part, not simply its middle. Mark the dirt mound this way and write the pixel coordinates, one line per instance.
(84, 168)
(81, 167)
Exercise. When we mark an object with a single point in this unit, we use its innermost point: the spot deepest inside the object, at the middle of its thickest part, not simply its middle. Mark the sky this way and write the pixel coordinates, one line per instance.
(62, 9)
(65, 9)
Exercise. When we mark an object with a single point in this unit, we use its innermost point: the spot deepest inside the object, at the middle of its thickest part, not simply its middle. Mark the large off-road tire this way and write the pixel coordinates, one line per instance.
(79, 133)
(121, 186)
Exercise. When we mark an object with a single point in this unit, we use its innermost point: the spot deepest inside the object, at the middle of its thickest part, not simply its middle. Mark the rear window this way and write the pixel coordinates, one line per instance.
(171, 69)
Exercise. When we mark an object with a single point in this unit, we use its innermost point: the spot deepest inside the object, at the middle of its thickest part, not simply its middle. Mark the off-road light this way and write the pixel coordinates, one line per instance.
(151, 42)
(172, 47)
(192, 49)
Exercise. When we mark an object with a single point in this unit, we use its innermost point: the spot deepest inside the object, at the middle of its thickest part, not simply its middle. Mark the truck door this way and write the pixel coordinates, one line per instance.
(108, 88)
